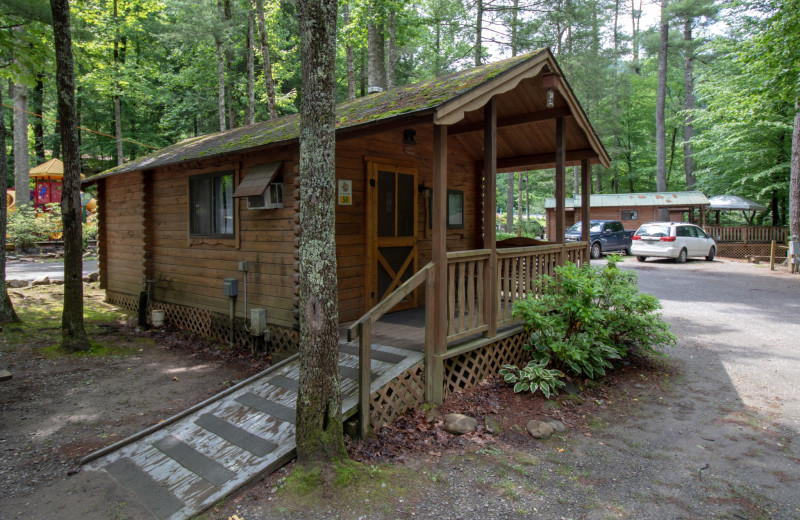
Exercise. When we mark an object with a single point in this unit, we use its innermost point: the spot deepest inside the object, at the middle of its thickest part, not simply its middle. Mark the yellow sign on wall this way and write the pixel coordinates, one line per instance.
(345, 192)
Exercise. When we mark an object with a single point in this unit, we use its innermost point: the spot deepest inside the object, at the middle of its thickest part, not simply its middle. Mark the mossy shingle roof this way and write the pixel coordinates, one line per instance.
(419, 97)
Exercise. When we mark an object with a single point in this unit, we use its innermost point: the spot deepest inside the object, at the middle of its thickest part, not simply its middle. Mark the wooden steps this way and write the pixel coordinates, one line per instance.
(191, 461)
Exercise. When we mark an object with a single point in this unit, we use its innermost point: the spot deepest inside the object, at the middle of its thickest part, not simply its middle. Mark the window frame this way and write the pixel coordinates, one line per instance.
(212, 214)
(633, 214)
(451, 224)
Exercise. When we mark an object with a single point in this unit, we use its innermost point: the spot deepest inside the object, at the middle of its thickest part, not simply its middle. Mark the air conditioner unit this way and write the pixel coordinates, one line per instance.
(271, 198)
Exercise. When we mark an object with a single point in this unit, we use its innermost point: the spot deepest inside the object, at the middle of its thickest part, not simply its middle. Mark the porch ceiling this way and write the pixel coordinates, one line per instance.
(526, 128)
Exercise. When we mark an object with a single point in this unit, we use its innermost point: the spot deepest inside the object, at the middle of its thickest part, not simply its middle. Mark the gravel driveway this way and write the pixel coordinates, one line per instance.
(711, 432)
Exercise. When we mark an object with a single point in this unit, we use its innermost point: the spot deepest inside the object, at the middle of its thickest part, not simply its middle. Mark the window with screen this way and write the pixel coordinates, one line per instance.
(630, 214)
(211, 204)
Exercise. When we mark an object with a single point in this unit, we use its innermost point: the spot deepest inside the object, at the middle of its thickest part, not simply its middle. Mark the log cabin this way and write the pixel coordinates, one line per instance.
(416, 169)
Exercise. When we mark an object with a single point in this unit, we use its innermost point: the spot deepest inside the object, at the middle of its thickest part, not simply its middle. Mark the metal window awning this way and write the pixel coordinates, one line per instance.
(257, 179)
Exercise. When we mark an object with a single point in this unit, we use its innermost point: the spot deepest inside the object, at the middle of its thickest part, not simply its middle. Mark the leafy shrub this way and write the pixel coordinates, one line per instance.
(25, 229)
(587, 316)
(533, 377)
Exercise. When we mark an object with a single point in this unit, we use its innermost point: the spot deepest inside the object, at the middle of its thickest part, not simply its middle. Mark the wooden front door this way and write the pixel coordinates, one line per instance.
(391, 231)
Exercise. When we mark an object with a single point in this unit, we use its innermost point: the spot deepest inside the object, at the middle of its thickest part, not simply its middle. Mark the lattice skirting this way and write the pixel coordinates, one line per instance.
(742, 251)
(469, 369)
(211, 324)
(402, 393)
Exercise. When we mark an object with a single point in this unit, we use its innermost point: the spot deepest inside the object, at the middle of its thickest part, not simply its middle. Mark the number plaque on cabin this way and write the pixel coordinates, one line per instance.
(345, 192)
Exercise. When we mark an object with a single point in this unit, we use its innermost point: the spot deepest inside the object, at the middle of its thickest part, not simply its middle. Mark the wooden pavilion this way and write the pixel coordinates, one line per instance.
(415, 218)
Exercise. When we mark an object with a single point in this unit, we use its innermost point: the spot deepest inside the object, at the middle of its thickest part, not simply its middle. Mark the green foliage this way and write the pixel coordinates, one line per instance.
(25, 229)
(533, 377)
(587, 316)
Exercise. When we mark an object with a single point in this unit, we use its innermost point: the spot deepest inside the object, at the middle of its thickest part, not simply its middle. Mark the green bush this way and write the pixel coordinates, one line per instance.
(25, 229)
(587, 316)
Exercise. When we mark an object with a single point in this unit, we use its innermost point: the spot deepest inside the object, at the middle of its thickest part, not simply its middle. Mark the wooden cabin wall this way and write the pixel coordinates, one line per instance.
(122, 258)
(351, 247)
(190, 271)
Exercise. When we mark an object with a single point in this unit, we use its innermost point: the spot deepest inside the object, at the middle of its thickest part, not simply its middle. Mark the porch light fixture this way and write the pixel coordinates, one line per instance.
(550, 83)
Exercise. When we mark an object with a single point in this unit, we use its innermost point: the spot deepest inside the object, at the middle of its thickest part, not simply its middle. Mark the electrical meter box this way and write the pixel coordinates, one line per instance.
(230, 286)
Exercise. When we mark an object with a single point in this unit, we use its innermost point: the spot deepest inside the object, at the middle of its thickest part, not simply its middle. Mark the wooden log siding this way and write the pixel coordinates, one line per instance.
(123, 247)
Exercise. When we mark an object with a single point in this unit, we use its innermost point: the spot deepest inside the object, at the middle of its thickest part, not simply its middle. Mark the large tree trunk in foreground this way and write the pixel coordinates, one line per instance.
(794, 178)
(661, 103)
(73, 334)
(7, 314)
(319, 434)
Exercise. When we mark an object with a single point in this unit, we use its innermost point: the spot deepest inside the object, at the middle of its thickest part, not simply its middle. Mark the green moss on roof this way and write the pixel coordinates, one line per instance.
(425, 95)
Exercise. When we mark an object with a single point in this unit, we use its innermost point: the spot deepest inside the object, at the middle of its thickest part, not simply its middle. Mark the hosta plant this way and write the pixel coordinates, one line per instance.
(533, 377)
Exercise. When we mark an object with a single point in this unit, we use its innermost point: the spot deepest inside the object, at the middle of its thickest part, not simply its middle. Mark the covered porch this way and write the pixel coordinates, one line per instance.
(525, 119)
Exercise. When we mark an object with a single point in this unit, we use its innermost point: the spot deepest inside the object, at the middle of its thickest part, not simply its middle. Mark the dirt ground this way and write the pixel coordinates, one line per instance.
(58, 408)
(709, 432)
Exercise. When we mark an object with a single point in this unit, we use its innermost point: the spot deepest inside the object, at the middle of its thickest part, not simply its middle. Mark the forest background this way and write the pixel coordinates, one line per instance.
(719, 82)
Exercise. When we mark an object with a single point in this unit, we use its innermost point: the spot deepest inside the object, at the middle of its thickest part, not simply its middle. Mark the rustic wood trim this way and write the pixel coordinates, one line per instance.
(364, 376)
(102, 234)
(545, 160)
(237, 223)
(586, 188)
(439, 241)
(396, 163)
(490, 280)
(477, 343)
(516, 120)
(560, 186)
(434, 369)
(453, 111)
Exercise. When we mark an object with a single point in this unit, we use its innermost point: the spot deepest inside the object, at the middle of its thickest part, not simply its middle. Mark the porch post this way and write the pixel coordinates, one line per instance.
(435, 370)
(586, 187)
(560, 188)
(491, 289)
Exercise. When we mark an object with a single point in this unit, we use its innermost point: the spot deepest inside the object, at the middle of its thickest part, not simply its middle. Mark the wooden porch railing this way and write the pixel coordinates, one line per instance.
(362, 329)
(469, 298)
(748, 234)
(518, 269)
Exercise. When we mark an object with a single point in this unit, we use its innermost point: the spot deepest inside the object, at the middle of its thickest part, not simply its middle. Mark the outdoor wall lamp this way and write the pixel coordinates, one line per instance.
(550, 83)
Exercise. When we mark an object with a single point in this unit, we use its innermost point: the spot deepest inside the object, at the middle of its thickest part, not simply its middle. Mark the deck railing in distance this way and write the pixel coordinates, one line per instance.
(748, 234)
(362, 329)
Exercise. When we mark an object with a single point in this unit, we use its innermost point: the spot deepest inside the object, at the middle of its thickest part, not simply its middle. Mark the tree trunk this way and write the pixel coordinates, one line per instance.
(319, 434)
(794, 176)
(351, 74)
(661, 101)
(266, 60)
(615, 104)
(391, 48)
(220, 70)
(376, 61)
(37, 106)
(232, 119)
(519, 205)
(576, 181)
(688, 104)
(636, 15)
(251, 73)
(73, 333)
(7, 314)
(514, 24)
(776, 213)
(479, 36)
(117, 107)
(510, 204)
(22, 166)
(599, 178)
